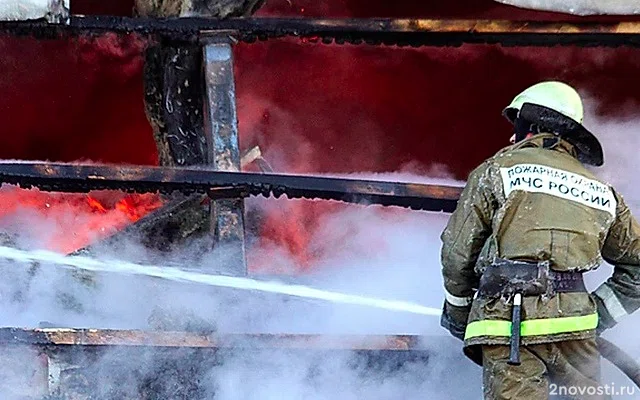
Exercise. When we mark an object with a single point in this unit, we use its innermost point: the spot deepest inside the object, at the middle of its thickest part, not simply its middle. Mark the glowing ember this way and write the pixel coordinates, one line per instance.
(137, 206)
(95, 204)
(311, 39)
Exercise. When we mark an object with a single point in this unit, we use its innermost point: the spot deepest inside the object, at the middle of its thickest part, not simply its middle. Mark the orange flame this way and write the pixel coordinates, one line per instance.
(68, 222)
(95, 205)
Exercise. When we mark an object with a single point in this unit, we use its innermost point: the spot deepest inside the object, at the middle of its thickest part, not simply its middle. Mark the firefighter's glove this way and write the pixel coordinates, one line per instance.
(605, 320)
(474, 353)
(454, 319)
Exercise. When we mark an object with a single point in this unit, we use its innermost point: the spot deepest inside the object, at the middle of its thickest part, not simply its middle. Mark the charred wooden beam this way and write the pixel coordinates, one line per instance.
(225, 185)
(401, 32)
(97, 337)
(173, 99)
(173, 87)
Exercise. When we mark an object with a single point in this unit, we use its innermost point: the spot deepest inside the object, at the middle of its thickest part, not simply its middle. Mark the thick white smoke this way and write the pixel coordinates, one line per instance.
(620, 141)
(580, 7)
(12, 10)
(389, 253)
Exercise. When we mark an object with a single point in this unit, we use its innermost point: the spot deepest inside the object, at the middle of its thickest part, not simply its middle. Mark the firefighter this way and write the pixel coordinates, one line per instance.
(530, 221)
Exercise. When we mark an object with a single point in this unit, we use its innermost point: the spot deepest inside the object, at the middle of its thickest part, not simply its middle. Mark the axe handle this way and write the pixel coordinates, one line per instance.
(516, 319)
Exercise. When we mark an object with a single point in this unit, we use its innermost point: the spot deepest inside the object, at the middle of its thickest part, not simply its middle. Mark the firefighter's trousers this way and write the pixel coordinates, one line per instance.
(561, 370)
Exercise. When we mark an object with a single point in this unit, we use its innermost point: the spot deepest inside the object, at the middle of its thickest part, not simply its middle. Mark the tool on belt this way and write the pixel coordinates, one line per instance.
(512, 280)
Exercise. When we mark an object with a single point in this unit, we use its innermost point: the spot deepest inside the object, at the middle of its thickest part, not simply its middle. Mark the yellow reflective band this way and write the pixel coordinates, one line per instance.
(532, 327)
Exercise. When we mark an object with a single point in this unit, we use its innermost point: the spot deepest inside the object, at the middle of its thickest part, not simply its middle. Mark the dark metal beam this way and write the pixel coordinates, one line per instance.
(414, 32)
(221, 132)
(63, 177)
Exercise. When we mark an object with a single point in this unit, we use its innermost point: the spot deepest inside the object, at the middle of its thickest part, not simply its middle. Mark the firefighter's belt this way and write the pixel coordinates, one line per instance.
(507, 277)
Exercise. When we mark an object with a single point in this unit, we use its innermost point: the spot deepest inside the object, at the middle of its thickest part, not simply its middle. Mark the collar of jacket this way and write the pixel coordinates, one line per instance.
(538, 141)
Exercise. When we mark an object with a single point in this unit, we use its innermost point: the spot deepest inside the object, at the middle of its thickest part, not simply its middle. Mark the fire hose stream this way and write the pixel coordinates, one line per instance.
(610, 351)
(179, 275)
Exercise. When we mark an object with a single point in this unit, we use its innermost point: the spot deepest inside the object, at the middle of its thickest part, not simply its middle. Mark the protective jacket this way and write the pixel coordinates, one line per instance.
(534, 201)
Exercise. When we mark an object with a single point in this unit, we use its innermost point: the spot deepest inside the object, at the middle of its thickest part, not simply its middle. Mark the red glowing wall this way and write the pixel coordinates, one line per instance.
(316, 108)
